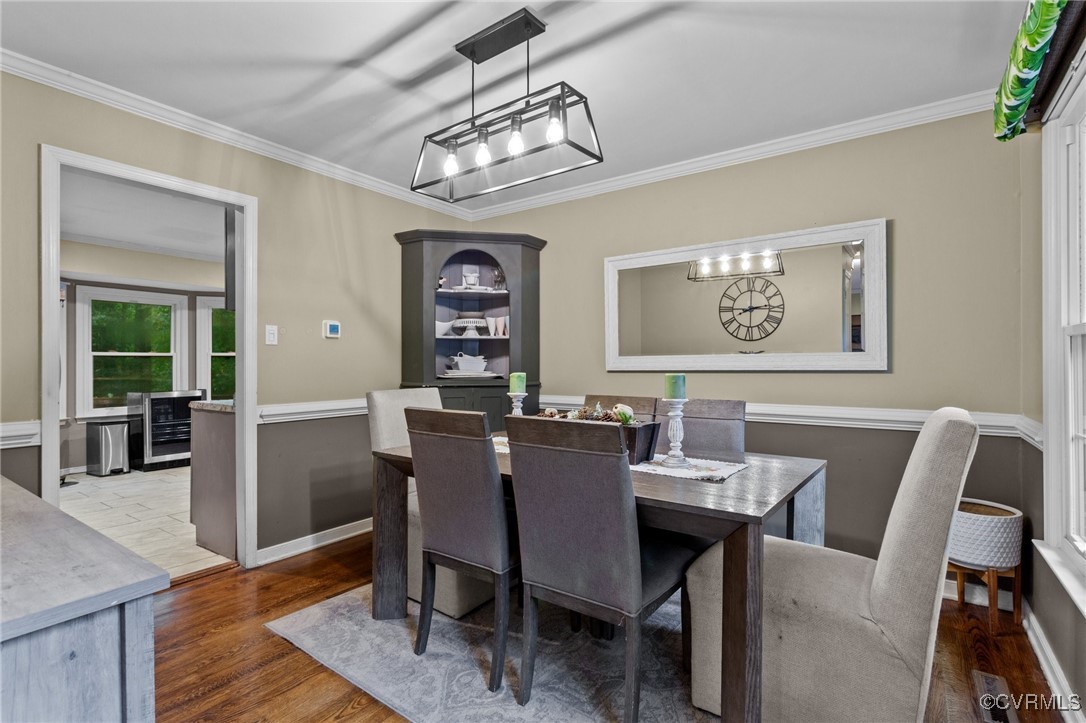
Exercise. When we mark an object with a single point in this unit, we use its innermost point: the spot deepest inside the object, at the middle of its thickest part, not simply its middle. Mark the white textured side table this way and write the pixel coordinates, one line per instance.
(986, 541)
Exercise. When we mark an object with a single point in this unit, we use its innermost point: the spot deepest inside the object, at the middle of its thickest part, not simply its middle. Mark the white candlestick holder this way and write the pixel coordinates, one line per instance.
(518, 400)
(675, 457)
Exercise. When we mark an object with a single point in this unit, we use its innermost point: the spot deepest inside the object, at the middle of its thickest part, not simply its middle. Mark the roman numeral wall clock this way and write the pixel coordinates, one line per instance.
(752, 308)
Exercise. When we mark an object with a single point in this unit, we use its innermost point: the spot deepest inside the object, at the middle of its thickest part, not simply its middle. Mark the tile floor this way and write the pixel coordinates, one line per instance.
(147, 512)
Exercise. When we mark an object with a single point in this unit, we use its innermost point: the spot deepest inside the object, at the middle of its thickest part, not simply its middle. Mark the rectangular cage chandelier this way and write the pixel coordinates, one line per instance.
(540, 134)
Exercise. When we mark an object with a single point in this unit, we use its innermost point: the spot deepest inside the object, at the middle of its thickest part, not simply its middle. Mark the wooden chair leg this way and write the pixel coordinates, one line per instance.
(684, 598)
(501, 625)
(426, 607)
(961, 587)
(633, 669)
(527, 663)
(1018, 594)
(992, 578)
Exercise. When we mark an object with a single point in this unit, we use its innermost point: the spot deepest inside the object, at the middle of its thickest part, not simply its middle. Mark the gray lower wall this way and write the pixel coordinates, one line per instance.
(73, 444)
(22, 465)
(314, 476)
(1062, 623)
(865, 468)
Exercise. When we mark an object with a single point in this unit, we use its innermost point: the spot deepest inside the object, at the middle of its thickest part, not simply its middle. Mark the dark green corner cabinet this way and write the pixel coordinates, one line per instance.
(475, 294)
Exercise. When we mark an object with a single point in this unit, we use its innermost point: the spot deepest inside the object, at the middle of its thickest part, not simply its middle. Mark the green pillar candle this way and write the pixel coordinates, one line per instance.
(674, 386)
(517, 381)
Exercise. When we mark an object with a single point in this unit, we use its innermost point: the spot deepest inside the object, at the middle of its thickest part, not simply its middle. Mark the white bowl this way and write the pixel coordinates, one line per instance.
(444, 327)
(470, 364)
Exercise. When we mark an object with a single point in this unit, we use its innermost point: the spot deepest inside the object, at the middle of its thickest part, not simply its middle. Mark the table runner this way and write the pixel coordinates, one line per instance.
(701, 469)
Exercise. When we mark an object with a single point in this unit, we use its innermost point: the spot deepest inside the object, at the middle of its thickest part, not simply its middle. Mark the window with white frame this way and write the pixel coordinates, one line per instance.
(127, 341)
(215, 349)
(1064, 300)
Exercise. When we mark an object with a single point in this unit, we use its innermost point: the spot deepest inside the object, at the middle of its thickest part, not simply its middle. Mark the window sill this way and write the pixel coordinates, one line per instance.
(1070, 571)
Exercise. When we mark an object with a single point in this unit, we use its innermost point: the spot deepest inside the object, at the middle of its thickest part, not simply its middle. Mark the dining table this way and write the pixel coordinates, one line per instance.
(773, 494)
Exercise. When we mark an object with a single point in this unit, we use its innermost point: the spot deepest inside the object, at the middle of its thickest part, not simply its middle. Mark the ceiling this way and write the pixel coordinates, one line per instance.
(358, 84)
(108, 211)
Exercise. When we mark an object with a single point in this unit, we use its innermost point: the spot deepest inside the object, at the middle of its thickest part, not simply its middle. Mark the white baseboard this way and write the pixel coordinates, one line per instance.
(20, 434)
(312, 542)
(1050, 666)
(73, 470)
(977, 594)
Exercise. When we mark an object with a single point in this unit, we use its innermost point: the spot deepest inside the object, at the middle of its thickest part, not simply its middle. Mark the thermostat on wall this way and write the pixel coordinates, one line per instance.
(331, 329)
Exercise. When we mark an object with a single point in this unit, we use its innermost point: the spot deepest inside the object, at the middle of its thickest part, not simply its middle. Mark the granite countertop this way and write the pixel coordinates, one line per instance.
(224, 407)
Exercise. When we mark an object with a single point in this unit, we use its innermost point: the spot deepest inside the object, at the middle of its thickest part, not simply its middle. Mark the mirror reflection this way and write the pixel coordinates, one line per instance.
(796, 300)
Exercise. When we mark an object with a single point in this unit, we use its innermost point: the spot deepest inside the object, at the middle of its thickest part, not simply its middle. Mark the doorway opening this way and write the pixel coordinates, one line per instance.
(140, 265)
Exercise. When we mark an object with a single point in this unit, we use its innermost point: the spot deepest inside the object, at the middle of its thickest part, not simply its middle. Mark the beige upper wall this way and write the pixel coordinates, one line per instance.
(326, 248)
(132, 266)
(964, 254)
(964, 257)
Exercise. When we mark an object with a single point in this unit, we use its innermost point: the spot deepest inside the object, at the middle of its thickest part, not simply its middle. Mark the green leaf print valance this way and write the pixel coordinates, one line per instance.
(1027, 56)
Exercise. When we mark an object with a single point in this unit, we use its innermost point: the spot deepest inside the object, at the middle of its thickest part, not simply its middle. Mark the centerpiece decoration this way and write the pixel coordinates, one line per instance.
(640, 436)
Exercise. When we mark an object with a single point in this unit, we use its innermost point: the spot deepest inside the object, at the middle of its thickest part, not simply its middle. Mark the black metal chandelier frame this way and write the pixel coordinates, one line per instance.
(560, 98)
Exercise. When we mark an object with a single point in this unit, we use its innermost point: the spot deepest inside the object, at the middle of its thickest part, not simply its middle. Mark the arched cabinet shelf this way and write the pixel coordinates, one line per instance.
(473, 294)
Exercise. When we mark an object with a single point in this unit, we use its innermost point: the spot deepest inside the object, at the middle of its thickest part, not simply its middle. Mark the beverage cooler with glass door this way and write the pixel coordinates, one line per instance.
(160, 428)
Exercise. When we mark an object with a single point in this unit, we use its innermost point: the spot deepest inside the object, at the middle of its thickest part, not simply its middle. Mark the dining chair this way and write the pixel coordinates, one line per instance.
(462, 505)
(643, 407)
(580, 546)
(845, 637)
(712, 429)
(456, 595)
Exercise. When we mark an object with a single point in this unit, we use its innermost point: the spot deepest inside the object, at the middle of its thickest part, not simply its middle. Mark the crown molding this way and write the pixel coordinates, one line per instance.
(918, 115)
(84, 87)
(39, 72)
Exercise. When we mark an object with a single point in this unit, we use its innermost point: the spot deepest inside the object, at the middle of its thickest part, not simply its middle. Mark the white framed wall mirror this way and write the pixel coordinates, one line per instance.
(810, 300)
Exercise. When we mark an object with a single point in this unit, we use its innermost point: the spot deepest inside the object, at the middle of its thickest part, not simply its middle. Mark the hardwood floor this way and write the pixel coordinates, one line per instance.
(215, 660)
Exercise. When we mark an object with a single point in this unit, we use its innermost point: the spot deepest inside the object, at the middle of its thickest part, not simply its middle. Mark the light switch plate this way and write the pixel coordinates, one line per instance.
(331, 329)
(271, 334)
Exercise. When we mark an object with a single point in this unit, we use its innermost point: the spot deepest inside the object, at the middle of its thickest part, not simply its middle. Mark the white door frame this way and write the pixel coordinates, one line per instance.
(52, 160)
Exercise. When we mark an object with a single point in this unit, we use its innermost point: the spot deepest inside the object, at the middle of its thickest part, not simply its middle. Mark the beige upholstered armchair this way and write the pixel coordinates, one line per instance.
(455, 594)
(845, 637)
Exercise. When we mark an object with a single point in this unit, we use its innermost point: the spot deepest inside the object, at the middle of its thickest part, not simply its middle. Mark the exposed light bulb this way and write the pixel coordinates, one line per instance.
(516, 140)
(704, 266)
(555, 131)
(451, 166)
(767, 253)
(745, 256)
(745, 265)
(767, 263)
(723, 263)
(482, 156)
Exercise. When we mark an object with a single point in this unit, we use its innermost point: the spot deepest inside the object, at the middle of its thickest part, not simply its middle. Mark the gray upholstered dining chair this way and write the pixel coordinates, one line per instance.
(643, 407)
(456, 595)
(462, 505)
(579, 541)
(712, 429)
(845, 637)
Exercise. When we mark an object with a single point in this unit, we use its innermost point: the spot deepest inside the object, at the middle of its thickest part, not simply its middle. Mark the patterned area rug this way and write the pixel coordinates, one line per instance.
(577, 678)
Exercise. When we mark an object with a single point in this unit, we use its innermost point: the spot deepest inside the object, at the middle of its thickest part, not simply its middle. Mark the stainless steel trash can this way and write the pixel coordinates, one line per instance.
(107, 448)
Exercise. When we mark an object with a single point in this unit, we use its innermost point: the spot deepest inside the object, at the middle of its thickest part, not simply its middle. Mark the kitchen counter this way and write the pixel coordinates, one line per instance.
(224, 407)
(76, 619)
(214, 488)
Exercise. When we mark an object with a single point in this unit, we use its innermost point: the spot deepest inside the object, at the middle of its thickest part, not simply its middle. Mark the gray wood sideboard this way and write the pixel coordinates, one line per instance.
(76, 618)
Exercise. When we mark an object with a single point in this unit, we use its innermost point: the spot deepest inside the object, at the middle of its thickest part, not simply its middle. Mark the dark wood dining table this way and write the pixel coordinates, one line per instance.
(737, 510)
